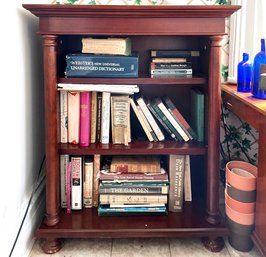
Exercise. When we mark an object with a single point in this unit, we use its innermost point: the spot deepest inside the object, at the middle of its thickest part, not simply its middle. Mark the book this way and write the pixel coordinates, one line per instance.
(170, 65)
(107, 176)
(104, 66)
(132, 199)
(93, 115)
(118, 89)
(105, 118)
(179, 117)
(176, 191)
(63, 117)
(88, 183)
(134, 164)
(171, 119)
(187, 180)
(110, 45)
(175, 53)
(68, 187)
(85, 113)
(64, 159)
(126, 211)
(133, 189)
(171, 71)
(120, 119)
(158, 132)
(96, 176)
(197, 111)
(73, 102)
(163, 120)
(168, 60)
(76, 183)
(99, 116)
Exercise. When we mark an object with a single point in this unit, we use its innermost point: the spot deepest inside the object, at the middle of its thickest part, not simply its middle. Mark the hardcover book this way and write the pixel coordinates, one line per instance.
(105, 118)
(175, 53)
(85, 112)
(76, 183)
(63, 117)
(73, 101)
(96, 176)
(168, 60)
(120, 119)
(114, 46)
(173, 65)
(68, 187)
(110, 66)
(93, 116)
(187, 180)
(179, 117)
(176, 191)
(64, 159)
(88, 183)
(197, 113)
(134, 164)
(171, 71)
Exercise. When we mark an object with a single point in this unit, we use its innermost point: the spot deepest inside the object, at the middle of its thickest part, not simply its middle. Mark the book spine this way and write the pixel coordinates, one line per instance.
(173, 121)
(141, 121)
(85, 65)
(161, 121)
(96, 176)
(137, 176)
(68, 187)
(63, 117)
(175, 53)
(73, 100)
(105, 119)
(175, 112)
(88, 184)
(64, 159)
(76, 183)
(187, 180)
(171, 71)
(176, 170)
(84, 134)
(181, 65)
(99, 117)
(151, 120)
(134, 190)
(93, 116)
(132, 198)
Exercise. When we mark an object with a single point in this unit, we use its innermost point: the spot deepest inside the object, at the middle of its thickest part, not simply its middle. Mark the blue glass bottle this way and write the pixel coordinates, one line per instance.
(259, 68)
(244, 74)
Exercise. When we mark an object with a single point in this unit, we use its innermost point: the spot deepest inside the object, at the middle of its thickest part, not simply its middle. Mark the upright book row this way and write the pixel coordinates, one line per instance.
(90, 117)
(125, 185)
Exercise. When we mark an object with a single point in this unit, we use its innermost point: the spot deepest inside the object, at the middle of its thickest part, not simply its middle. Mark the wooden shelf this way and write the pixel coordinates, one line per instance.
(142, 79)
(136, 147)
(87, 223)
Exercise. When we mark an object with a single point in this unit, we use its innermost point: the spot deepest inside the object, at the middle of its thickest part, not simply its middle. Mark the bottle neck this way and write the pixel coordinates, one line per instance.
(263, 45)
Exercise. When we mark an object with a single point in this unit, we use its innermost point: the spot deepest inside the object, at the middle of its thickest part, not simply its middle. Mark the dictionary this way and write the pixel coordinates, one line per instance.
(108, 66)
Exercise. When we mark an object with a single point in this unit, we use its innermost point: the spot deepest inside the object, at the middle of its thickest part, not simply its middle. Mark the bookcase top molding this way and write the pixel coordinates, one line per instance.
(162, 11)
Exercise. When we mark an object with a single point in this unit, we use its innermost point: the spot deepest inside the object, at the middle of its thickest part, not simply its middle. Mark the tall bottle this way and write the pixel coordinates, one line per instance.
(244, 74)
(259, 87)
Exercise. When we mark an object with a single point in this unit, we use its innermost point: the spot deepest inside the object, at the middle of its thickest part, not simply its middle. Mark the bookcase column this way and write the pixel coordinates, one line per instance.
(51, 133)
(214, 113)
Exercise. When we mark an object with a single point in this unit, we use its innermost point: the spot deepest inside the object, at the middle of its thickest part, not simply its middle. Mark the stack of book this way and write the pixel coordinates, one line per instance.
(133, 185)
(171, 62)
(103, 57)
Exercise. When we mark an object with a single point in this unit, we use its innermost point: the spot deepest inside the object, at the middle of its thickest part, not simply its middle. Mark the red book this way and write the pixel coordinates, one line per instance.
(85, 111)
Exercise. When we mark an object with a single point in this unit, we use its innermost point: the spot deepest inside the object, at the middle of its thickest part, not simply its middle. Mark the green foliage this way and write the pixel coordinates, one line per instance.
(223, 2)
(224, 72)
(92, 2)
(138, 2)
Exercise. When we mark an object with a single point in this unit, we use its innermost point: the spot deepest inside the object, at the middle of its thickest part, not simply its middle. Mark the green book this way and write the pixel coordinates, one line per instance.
(197, 113)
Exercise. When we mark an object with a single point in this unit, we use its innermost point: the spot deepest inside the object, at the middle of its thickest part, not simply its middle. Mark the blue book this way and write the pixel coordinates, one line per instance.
(103, 66)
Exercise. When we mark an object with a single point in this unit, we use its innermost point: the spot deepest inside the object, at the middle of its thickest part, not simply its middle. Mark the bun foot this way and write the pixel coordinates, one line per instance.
(51, 245)
(213, 244)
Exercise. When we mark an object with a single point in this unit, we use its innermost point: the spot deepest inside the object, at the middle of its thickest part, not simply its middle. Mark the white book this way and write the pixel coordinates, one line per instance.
(119, 89)
(88, 184)
(76, 183)
(140, 119)
(73, 101)
(64, 159)
(63, 117)
(105, 118)
(187, 180)
(151, 120)
(172, 120)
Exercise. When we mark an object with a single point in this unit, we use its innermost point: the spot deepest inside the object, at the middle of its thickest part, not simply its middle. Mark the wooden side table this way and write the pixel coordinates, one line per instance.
(253, 111)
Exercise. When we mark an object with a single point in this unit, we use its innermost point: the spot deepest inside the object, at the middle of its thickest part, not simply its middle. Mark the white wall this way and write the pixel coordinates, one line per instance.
(22, 127)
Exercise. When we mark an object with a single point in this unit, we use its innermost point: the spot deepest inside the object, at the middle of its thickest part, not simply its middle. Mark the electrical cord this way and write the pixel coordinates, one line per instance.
(36, 186)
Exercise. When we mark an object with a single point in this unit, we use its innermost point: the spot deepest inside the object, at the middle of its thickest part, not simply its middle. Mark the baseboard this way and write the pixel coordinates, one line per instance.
(33, 219)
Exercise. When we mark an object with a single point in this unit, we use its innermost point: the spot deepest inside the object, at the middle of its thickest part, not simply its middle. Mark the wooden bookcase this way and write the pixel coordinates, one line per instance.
(150, 27)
